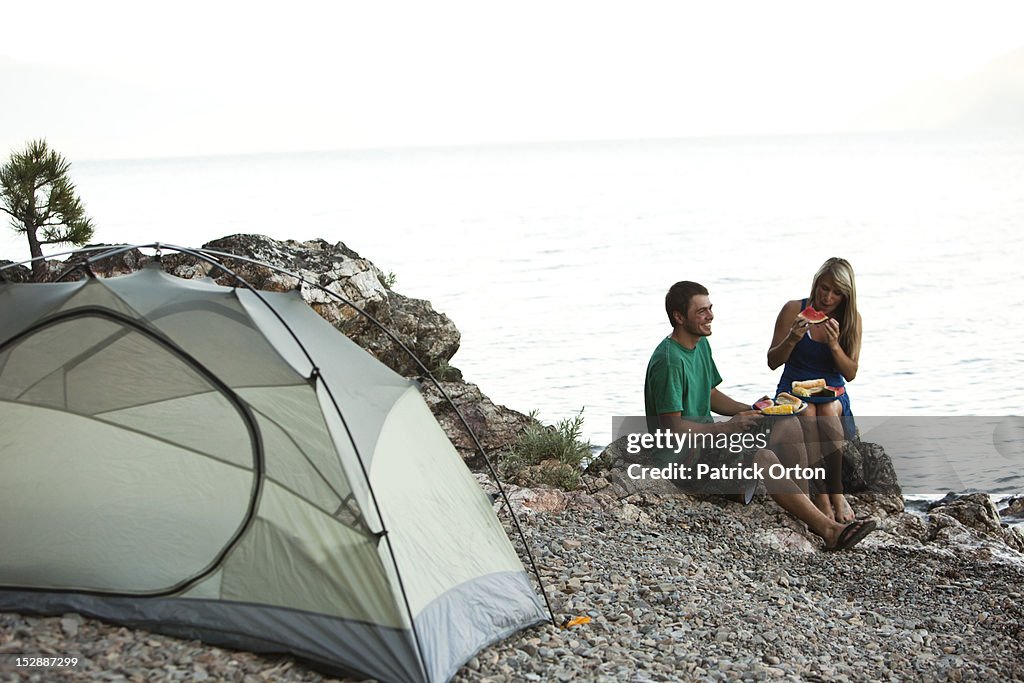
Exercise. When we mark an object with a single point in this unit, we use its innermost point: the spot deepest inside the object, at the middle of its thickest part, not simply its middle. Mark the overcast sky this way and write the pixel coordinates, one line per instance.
(111, 79)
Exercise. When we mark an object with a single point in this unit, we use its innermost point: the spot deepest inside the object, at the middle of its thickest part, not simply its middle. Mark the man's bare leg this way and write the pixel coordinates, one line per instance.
(793, 500)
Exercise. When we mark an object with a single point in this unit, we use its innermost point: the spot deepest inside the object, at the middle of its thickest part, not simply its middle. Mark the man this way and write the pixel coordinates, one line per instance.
(681, 391)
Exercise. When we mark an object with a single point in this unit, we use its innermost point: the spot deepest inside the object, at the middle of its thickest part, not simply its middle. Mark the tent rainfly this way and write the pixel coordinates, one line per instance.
(222, 464)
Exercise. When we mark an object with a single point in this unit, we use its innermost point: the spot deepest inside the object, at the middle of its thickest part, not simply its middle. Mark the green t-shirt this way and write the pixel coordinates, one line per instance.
(680, 380)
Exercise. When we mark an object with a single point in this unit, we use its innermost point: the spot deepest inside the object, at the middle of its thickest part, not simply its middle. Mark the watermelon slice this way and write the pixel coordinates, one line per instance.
(812, 316)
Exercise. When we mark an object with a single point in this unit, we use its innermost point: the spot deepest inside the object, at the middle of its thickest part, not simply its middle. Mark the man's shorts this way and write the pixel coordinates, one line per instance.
(717, 470)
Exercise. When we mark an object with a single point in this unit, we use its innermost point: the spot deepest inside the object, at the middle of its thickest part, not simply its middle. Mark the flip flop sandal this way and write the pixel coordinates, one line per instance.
(853, 533)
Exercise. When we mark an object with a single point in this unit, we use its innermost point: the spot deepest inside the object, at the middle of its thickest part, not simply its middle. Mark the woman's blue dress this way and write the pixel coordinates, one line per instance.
(810, 360)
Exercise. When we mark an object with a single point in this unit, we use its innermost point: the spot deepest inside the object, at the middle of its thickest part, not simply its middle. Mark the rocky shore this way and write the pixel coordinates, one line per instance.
(675, 587)
(684, 589)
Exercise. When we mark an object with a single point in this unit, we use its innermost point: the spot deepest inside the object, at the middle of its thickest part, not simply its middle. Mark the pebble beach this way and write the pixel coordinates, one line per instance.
(676, 588)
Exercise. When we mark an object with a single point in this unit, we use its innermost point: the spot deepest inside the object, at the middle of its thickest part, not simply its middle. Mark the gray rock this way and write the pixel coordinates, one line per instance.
(70, 626)
(868, 469)
(15, 273)
(1014, 538)
(495, 426)
(1014, 507)
(613, 464)
(974, 511)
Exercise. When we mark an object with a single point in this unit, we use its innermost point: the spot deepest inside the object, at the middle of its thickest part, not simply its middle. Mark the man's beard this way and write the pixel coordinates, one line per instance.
(694, 329)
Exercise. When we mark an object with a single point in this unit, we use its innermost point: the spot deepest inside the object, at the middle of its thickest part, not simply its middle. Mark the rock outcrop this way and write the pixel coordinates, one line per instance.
(868, 475)
(961, 524)
(1014, 507)
(974, 512)
(495, 426)
(15, 273)
(869, 479)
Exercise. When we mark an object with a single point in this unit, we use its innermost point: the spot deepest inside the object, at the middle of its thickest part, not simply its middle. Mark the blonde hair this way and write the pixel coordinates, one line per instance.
(846, 315)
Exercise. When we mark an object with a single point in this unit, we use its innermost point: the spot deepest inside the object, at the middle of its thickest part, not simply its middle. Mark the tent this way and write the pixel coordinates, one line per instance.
(220, 463)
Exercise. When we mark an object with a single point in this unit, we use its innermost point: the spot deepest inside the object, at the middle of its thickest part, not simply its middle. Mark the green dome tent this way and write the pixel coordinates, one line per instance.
(220, 463)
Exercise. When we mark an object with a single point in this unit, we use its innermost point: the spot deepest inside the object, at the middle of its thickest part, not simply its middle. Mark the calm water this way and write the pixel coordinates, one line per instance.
(553, 260)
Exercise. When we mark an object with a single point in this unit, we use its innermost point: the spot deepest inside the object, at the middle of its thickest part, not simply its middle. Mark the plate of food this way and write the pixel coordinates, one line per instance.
(816, 391)
(785, 404)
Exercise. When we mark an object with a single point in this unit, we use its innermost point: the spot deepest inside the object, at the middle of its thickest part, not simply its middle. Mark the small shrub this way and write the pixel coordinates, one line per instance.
(443, 372)
(560, 475)
(549, 455)
(388, 280)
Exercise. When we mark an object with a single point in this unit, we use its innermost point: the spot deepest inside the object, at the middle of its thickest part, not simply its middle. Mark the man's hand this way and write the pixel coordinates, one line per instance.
(723, 405)
(744, 421)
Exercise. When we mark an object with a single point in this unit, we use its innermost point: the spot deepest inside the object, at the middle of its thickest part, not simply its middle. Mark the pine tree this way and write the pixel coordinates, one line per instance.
(42, 201)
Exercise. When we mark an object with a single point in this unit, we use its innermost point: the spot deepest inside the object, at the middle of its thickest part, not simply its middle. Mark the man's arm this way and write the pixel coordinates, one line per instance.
(740, 422)
(680, 425)
(723, 405)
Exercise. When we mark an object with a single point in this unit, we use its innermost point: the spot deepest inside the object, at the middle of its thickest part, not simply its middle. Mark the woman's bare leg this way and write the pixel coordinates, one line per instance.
(789, 445)
(809, 425)
(830, 434)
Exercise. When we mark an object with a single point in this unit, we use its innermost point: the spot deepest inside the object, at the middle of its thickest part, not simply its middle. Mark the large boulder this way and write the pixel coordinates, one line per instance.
(977, 512)
(15, 273)
(609, 473)
(497, 427)
(869, 480)
(868, 469)
(1014, 507)
(430, 335)
(974, 510)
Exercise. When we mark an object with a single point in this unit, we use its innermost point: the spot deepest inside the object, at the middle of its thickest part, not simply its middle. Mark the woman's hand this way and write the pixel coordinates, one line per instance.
(798, 329)
(789, 328)
(831, 333)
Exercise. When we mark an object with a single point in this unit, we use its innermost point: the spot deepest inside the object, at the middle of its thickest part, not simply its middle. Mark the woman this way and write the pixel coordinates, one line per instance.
(831, 350)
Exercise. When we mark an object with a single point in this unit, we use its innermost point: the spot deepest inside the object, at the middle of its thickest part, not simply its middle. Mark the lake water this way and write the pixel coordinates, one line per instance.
(553, 259)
